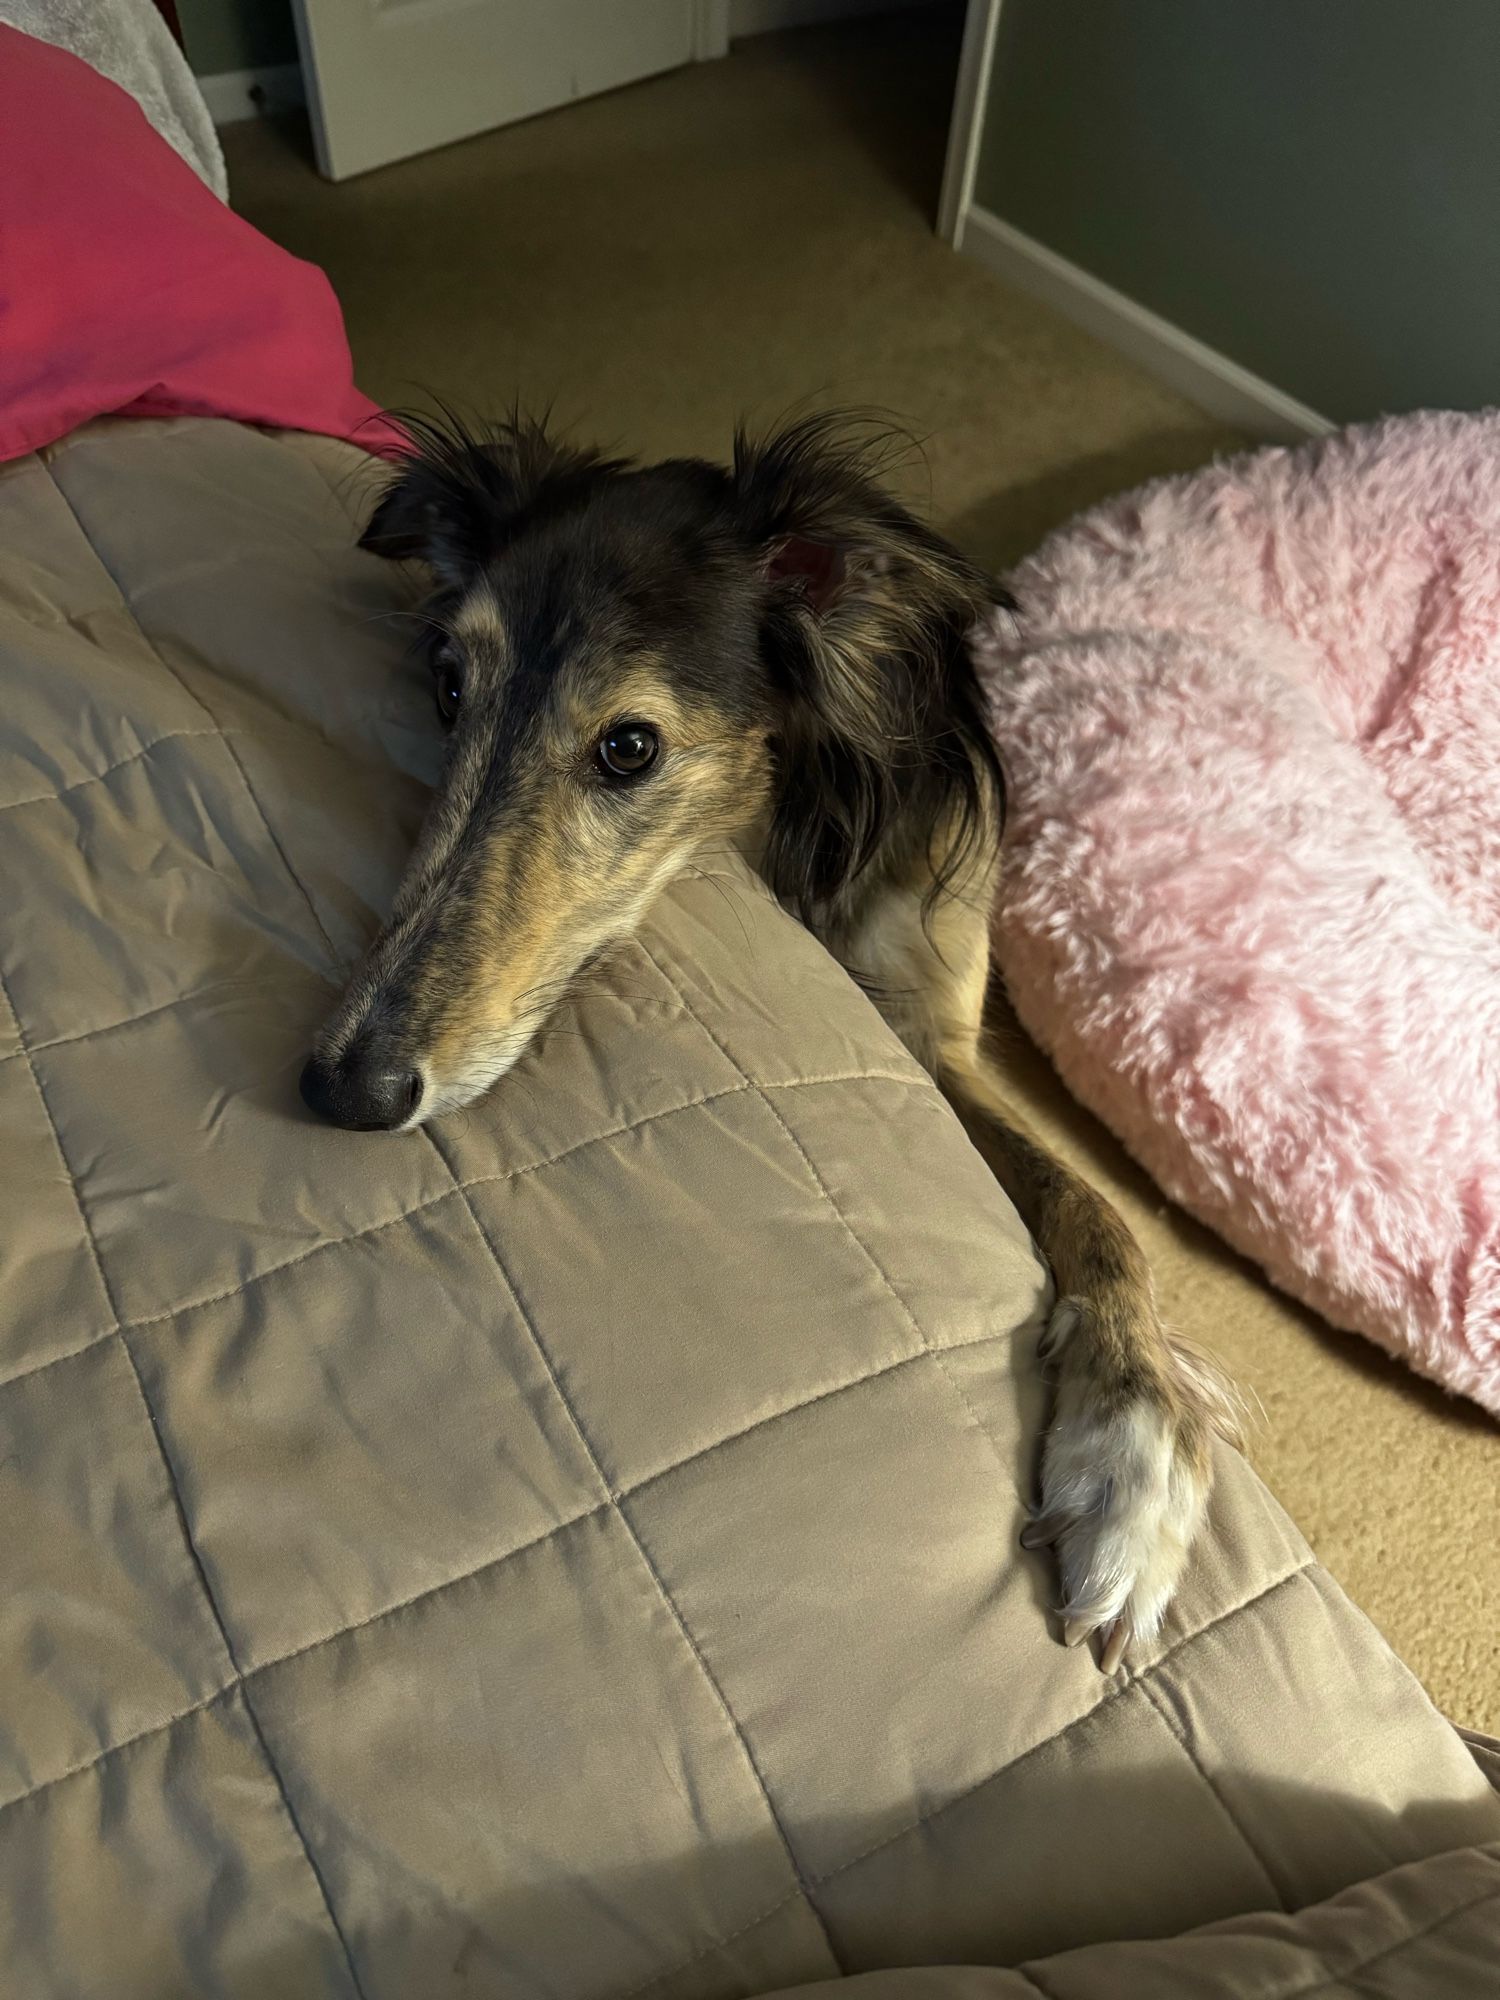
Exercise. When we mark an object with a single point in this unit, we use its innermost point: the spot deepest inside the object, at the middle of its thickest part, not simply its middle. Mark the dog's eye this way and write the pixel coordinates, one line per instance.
(449, 685)
(628, 749)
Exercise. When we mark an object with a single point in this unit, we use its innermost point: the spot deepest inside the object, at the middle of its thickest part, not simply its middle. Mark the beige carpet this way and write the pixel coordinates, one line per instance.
(755, 234)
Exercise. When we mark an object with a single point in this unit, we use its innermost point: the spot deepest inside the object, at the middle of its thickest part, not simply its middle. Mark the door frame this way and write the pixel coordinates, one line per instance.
(966, 127)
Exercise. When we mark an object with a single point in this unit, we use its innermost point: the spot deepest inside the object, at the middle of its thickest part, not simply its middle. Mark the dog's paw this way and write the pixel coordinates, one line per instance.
(1127, 1468)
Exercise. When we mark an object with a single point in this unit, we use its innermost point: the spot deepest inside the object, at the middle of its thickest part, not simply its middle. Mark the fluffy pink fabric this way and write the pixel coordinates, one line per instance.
(1250, 722)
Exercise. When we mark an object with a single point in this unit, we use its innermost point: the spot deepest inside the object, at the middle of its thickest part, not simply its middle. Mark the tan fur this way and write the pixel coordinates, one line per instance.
(553, 884)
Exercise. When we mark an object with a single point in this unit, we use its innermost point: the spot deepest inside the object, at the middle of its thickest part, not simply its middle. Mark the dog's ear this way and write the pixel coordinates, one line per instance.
(411, 519)
(464, 491)
(881, 737)
(448, 506)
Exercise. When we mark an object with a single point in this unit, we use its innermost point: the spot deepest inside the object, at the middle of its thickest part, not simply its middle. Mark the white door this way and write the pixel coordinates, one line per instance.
(387, 78)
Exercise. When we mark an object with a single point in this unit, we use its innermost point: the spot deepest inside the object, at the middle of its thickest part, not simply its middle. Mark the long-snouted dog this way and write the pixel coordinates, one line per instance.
(636, 663)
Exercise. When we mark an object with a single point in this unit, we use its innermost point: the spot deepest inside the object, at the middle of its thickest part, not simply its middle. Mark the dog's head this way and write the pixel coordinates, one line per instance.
(635, 663)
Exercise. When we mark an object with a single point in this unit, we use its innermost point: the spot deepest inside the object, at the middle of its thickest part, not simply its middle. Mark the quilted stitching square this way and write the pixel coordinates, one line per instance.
(633, 1307)
(171, 1868)
(153, 882)
(51, 1298)
(195, 1160)
(104, 1630)
(352, 1435)
(535, 1781)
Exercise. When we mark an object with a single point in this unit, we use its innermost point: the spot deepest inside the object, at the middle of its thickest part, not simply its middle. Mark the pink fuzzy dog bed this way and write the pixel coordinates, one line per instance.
(1250, 722)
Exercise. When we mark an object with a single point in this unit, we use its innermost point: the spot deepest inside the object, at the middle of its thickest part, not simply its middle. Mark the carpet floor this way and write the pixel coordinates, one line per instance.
(755, 235)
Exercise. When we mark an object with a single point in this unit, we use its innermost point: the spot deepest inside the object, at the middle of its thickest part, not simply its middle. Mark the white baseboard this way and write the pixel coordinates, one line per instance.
(228, 93)
(1210, 379)
(762, 17)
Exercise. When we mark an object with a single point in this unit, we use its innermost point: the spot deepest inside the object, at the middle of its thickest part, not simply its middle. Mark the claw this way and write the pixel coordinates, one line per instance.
(1075, 1631)
(1044, 1530)
(1116, 1639)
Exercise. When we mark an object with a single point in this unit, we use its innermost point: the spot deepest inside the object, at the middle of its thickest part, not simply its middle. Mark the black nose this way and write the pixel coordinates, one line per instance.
(362, 1092)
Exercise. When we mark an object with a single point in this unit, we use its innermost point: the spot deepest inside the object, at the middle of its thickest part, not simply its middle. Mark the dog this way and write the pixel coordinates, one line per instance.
(638, 662)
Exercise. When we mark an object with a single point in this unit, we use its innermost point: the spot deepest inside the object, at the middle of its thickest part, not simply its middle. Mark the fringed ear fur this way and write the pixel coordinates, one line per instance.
(884, 755)
(466, 488)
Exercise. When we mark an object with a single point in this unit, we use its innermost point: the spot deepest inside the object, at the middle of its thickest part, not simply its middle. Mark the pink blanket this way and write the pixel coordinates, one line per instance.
(1251, 725)
(126, 288)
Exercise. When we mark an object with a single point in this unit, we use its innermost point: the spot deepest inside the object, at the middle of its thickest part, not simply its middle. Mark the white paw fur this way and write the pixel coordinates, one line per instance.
(1124, 1487)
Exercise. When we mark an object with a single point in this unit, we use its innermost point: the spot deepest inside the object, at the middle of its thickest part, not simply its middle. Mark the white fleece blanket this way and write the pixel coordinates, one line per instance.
(130, 43)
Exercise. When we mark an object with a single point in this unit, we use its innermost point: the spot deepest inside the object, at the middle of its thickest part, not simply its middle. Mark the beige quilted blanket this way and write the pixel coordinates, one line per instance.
(570, 1551)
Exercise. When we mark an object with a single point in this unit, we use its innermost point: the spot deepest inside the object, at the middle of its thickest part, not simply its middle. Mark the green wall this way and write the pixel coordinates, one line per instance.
(237, 34)
(1310, 186)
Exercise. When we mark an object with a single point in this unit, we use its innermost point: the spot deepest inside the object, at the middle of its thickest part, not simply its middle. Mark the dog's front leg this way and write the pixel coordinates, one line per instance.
(1127, 1463)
